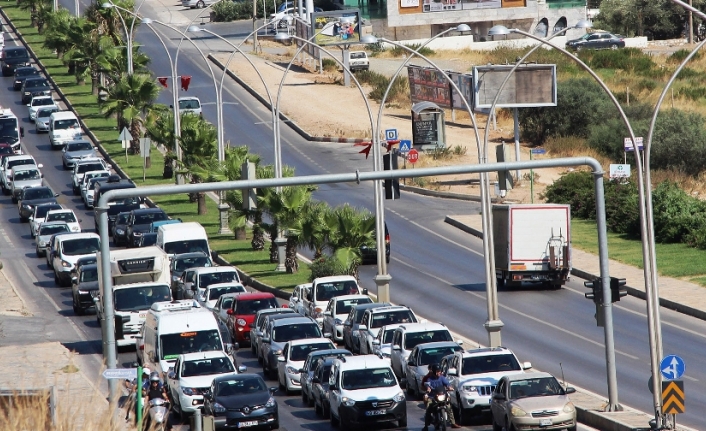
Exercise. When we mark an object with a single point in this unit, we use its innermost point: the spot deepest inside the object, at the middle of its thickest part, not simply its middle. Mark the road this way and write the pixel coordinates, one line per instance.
(436, 269)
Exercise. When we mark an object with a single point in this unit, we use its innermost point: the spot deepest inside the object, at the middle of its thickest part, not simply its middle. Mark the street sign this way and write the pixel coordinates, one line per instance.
(120, 373)
(628, 144)
(672, 367)
(538, 151)
(391, 134)
(413, 156)
(125, 135)
(619, 171)
(673, 397)
(145, 144)
(405, 146)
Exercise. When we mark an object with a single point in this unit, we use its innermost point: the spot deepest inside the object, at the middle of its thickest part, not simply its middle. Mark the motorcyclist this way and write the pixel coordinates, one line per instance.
(131, 386)
(435, 380)
(156, 390)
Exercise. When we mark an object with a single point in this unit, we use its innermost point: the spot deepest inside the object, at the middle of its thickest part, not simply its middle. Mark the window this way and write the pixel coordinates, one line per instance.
(181, 265)
(37, 193)
(300, 352)
(149, 217)
(89, 275)
(296, 331)
(217, 292)
(66, 124)
(254, 305)
(415, 338)
(368, 378)
(51, 230)
(141, 298)
(31, 174)
(490, 364)
(67, 217)
(79, 146)
(326, 291)
(12, 163)
(241, 386)
(392, 317)
(206, 280)
(81, 246)
(191, 246)
(177, 344)
(87, 167)
(42, 101)
(431, 356)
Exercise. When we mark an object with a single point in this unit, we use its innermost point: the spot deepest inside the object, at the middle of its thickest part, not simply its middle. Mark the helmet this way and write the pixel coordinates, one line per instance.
(145, 370)
(154, 376)
(435, 368)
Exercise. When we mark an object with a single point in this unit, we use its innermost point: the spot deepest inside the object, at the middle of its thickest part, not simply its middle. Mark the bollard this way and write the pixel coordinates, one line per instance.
(197, 421)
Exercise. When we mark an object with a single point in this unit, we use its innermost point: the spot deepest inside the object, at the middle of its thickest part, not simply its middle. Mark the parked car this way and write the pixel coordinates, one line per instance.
(229, 395)
(22, 73)
(598, 40)
(375, 318)
(88, 186)
(284, 18)
(34, 86)
(409, 336)
(76, 150)
(38, 215)
(532, 401)
(39, 102)
(69, 249)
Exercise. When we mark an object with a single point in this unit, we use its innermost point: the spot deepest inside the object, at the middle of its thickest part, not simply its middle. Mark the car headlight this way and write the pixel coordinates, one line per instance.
(241, 322)
(347, 402)
(278, 352)
(219, 408)
(292, 370)
(517, 412)
(190, 391)
(120, 231)
(74, 229)
(65, 264)
(42, 244)
(399, 397)
(470, 388)
(82, 292)
(271, 402)
(569, 408)
(338, 321)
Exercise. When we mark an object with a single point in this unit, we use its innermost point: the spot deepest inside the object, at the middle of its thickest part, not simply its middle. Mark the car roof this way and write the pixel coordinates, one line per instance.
(87, 267)
(390, 308)
(281, 310)
(19, 157)
(437, 344)
(203, 355)
(53, 223)
(368, 305)
(527, 376)
(189, 255)
(61, 210)
(346, 297)
(236, 376)
(147, 211)
(418, 327)
(361, 362)
(218, 285)
(25, 168)
(486, 351)
(332, 352)
(254, 295)
(280, 315)
(301, 341)
(293, 320)
(88, 160)
(333, 278)
(79, 235)
(214, 269)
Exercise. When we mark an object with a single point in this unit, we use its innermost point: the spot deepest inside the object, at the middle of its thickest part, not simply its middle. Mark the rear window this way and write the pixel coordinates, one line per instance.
(411, 340)
(77, 247)
(15, 53)
(392, 317)
(87, 167)
(37, 193)
(19, 162)
(53, 229)
(344, 307)
(66, 124)
(358, 55)
(252, 306)
(78, 146)
(42, 101)
(296, 331)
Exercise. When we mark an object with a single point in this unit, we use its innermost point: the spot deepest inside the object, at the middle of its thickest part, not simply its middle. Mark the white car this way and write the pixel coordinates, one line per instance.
(190, 104)
(67, 216)
(86, 186)
(408, 336)
(42, 102)
(382, 344)
(198, 4)
(296, 301)
(86, 165)
(290, 363)
(209, 296)
(193, 374)
(337, 311)
(37, 217)
(376, 318)
(8, 163)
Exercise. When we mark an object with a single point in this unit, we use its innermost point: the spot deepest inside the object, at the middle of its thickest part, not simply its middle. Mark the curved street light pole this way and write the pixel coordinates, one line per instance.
(613, 404)
(128, 33)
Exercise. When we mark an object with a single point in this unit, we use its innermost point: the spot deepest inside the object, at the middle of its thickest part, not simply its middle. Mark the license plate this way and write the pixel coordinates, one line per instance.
(247, 424)
(375, 412)
(545, 422)
(143, 315)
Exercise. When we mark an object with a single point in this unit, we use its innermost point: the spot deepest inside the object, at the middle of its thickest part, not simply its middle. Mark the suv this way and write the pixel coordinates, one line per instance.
(258, 323)
(12, 58)
(335, 314)
(32, 87)
(242, 313)
(325, 288)
(358, 60)
(22, 73)
(363, 390)
(280, 332)
(473, 375)
(351, 325)
(376, 318)
(82, 166)
(139, 223)
(8, 163)
(407, 337)
(68, 250)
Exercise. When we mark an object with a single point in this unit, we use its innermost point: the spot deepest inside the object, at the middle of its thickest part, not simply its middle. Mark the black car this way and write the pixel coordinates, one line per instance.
(598, 40)
(119, 229)
(147, 239)
(83, 286)
(241, 400)
(86, 260)
(34, 86)
(139, 223)
(369, 254)
(12, 58)
(114, 207)
(31, 196)
(22, 73)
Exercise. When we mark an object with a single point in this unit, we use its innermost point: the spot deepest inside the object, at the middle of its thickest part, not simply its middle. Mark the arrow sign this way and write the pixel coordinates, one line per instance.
(125, 135)
(672, 367)
(673, 398)
(120, 373)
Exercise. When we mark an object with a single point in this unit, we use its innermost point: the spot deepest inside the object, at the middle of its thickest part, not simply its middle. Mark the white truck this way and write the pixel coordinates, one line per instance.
(532, 244)
(140, 277)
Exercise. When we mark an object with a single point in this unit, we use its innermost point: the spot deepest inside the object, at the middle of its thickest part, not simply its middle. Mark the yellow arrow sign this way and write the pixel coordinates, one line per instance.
(673, 398)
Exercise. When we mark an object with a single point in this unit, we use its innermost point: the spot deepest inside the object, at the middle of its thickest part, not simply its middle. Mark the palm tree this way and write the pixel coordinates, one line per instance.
(108, 22)
(112, 62)
(57, 32)
(315, 230)
(130, 97)
(81, 48)
(350, 229)
(287, 207)
(32, 6)
(198, 142)
(159, 126)
(44, 10)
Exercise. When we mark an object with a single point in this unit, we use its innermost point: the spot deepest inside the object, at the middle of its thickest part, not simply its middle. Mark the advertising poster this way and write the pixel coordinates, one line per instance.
(429, 85)
(336, 27)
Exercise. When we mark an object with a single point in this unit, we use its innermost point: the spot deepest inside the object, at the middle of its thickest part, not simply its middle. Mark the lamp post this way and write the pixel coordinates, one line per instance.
(613, 404)
(128, 33)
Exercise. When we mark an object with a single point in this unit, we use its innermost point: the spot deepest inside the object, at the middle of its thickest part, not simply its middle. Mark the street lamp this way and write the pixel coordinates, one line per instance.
(613, 404)
(128, 33)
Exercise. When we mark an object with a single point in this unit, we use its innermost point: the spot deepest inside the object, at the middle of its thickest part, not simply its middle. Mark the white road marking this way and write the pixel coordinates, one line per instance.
(6, 238)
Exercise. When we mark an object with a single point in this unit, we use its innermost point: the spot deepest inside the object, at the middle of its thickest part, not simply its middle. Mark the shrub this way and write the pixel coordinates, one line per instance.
(628, 59)
(622, 210)
(398, 51)
(676, 214)
(678, 142)
(679, 56)
(326, 266)
(329, 65)
(607, 136)
(575, 189)
(225, 11)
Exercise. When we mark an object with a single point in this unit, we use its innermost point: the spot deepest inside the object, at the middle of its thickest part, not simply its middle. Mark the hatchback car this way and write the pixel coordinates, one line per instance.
(37, 217)
(182, 262)
(214, 291)
(598, 40)
(350, 331)
(41, 122)
(44, 234)
(24, 177)
(336, 313)
(419, 360)
(242, 313)
(290, 363)
(76, 150)
(22, 73)
(39, 102)
(33, 87)
(532, 401)
(280, 332)
(67, 216)
(241, 401)
(83, 286)
(31, 197)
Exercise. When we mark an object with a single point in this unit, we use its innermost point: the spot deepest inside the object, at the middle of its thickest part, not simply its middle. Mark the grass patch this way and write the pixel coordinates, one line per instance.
(675, 260)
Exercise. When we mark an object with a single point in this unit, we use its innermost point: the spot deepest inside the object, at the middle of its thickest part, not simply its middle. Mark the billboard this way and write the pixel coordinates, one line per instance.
(531, 85)
(340, 27)
(303, 31)
(427, 84)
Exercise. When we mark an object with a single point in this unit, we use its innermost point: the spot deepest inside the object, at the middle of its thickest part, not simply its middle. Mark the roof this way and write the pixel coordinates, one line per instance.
(367, 305)
(390, 308)
(147, 210)
(361, 362)
(527, 376)
(214, 269)
(25, 168)
(19, 157)
(294, 320)
(487, 351)
(346, 297)
(79, 235)
(334, 278)
(310, 341)
(236, 376)
(63, 115)
(227, 284)
(418, 327)
(254, 295)
(437, 344)
(203, 355)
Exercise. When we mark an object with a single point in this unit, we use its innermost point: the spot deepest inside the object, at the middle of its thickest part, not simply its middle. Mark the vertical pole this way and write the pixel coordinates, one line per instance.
(138, 399)
(515, 116)
(691, 24)
(107, 298)
(254, 26)
(531, 181)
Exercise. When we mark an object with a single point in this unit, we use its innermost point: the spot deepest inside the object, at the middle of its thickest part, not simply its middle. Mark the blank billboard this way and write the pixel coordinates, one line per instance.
(531, 85)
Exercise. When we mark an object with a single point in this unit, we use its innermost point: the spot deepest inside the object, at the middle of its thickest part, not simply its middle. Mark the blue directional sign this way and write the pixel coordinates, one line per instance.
(120, 373)
(391, 134)
(405, 146)
(672, 367)
(538, 151)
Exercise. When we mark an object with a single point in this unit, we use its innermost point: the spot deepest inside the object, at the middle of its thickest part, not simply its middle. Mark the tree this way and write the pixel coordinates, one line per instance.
(658, 19)
(315, 230)
(159, 126)
(198, 142)
(57, 32)
(82, 48)
(349, 230)
(287, 207)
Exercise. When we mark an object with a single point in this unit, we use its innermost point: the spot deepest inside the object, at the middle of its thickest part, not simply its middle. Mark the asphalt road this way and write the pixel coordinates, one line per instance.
(436, 269)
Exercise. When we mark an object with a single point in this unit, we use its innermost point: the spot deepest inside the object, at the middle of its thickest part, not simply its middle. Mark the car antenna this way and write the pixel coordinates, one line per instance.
(562, 374)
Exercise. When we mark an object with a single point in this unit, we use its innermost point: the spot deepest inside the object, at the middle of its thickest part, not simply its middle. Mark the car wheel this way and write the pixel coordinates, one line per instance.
(76, 191)
(282, 23)
(31, 232)
(66, 168)
(38, 253)
(411, 392)
(305, 398)
(77, 309)
(319, 410)
(56, 280)
(496, 427)
(463, 414)
(614, 47)
(334, 420)
(403, 422)
(200, 5)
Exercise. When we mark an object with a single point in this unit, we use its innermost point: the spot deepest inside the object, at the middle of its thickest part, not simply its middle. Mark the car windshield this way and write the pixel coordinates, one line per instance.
(12, 163)
(26, 71)
(86, 167)
(182, 264)
(68, 217)
(52, 229)
(252, 306)
(190, 246)
(540, 387)
(300, 352)
(189, 104)
(66, 124)
(217, 292)
(490, 364)
(37, 193)
(344, 307)
(387, 336)
(88, 275)
(296, 331)
(30, 174)
(14, 53)
(392, 317)
(205, 367)
(140, 298)
(45, 113)
(97, 179)
(77, 247)
(177, 344)
(78, 146)
(42, 101)
(328, 290)
(122, 218)
(150, 217)
(432, 356)
(240, 386)
(325, 373)
(368, 378)
(412, 339)
(206, 280)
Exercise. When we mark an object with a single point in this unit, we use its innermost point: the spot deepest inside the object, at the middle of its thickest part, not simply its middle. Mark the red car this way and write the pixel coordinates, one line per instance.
(242, 314)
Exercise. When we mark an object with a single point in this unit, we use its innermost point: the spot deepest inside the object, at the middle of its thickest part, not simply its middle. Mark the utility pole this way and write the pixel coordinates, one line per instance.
(691, 24)
(254, 26)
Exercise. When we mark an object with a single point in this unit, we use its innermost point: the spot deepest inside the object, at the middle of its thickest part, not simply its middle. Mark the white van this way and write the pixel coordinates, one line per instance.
(176, 328)
(63, 127)
(181, 238)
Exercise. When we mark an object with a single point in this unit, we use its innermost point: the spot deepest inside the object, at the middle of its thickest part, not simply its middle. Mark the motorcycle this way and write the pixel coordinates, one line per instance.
(438, 408)
(158, 414)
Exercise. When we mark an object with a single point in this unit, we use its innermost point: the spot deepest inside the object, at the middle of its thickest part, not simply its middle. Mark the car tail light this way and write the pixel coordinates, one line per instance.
(142, 347)
(387, 238)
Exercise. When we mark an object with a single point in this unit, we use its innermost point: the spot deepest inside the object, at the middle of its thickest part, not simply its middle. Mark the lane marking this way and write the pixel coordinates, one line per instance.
(6, 238)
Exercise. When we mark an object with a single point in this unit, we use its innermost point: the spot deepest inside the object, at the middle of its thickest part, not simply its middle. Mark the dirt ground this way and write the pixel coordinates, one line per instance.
(323, 107)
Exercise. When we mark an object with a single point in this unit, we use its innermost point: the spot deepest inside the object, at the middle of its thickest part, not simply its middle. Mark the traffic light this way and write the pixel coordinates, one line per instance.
(596, 294)
(392, 187)
(615, 289)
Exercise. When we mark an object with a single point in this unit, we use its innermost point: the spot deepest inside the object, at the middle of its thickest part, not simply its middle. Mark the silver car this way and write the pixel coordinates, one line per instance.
(25, 176)
(419, 360)
(199, 4)
(76, 150)
(41, 123)
(532, 401)
(45, 232)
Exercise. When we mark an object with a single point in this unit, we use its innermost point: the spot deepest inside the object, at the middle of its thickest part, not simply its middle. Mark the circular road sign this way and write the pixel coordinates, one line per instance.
(413, 156)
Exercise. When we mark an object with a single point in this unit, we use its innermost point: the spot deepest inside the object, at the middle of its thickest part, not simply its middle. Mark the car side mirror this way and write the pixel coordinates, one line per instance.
(333, 387)
(498, 396)
(273, 390)
(396, 347)
(74, 279)
(570, 390)
(411, 363)
(451, 372)
(242, 369)
(171, 375)
(40, 166)
(376, 342)
(459, 342)
(281, 359)
(327, 313)
(285, 306)
(328, 335)
(229, 312)
(526, 365)
(22, 132)
(362, 328)
(56, 195)
(266, 340)
(365, 291)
